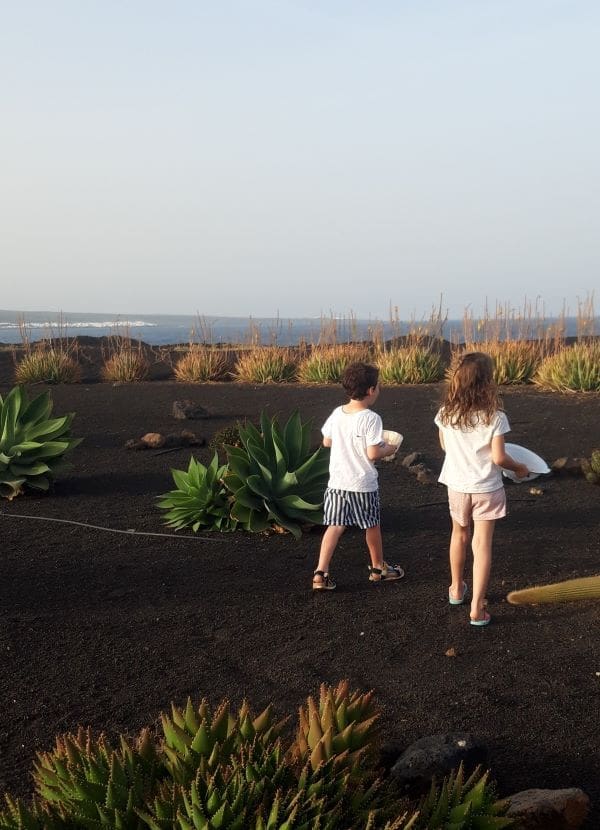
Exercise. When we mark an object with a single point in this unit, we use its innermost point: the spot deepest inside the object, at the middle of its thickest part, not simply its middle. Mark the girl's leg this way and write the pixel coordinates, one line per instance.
(328, 544)
(459, 541)
(483, 535)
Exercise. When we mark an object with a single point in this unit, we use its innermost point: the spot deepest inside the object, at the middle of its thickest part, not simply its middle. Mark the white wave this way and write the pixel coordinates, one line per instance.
(83, 324)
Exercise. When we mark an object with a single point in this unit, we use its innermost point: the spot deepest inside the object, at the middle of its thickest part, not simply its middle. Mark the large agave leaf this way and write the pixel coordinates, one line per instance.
(38, 409)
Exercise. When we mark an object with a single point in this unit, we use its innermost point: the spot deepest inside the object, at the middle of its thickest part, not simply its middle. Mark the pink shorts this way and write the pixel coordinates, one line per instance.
(477, 506)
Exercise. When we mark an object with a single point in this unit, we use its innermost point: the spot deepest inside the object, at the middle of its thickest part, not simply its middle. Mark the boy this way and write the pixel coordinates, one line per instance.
(355, 435)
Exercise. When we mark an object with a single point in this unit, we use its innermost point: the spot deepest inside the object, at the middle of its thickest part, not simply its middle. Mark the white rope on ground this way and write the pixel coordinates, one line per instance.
(113, 529)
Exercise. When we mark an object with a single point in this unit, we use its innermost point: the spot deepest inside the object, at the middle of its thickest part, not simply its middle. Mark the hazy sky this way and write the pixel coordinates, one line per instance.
(298, 156)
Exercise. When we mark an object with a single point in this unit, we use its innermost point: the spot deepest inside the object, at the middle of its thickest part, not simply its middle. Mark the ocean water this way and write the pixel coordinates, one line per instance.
(162, 329)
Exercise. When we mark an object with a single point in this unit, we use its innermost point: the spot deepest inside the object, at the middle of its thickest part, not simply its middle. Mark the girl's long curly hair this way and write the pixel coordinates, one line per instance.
(471, 394)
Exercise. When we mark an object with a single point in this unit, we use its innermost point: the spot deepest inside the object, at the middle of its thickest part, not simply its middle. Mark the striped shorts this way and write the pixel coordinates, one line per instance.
(347, 508)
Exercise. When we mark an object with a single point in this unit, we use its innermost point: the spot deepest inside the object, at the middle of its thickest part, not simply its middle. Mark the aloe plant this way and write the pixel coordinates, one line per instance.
(462, 805)
(201, 500)
(591, 467)
(32, 445)
(341, 724)
(96, 785)
(275, 478)
(18, 816)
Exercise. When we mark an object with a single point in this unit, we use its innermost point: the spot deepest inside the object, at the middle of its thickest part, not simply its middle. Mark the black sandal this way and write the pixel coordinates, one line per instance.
(387, 573)
(325, 583)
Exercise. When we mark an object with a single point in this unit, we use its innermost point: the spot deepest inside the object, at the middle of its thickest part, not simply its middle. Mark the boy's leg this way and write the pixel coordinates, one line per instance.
(375, 545)
(458, 553)
(483, 535)
(328, 545)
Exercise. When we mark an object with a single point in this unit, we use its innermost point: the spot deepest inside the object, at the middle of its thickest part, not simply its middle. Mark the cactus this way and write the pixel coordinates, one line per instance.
(587, 587)
(342, 724)
(591, 467)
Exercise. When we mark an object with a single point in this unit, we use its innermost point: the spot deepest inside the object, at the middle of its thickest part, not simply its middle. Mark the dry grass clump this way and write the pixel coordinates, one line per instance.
(326, 364)
(124, 362)
(266, 364)
(201, 364)
(515, 361)
(409, 364)
(46, 364)
(572, 369)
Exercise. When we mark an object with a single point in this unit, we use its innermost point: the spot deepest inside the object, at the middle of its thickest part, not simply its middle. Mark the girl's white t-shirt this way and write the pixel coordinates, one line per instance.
(468, 465)
(350, 468)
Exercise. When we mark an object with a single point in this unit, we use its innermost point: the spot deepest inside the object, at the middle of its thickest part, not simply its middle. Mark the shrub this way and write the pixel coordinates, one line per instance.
(47, 365)
(266, 364)
(326, 364)
(572, 369)
(32, 446)
(591, 467)
(515, 361)
(124, 362)
(228, 435)
(201, 500)
(235, 772)
(202, 364)
(276, 480)
(411, 364)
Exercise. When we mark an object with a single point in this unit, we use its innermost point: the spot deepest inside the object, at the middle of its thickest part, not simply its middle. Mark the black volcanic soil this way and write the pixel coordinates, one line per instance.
(106, 629)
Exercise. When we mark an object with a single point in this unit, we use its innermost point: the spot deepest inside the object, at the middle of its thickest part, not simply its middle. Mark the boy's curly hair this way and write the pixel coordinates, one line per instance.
(358, 378)
(471, 394)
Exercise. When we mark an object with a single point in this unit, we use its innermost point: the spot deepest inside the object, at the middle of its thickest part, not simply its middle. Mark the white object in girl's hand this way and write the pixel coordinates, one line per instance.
(393, 438)
(536, 465)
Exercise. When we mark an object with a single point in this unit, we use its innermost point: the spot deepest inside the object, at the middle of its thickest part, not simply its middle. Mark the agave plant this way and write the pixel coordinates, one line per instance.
(32, 445)
(274, 477)
(200, 500)
(95, 785)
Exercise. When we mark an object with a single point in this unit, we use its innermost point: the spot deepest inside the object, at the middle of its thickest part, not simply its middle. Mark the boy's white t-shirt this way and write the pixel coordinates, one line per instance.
(468, 465)
(351, 433)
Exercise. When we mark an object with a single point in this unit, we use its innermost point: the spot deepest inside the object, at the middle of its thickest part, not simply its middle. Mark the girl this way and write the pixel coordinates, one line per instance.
(472, 428)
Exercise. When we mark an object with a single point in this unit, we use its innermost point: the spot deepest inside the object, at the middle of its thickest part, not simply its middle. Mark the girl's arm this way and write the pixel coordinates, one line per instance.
(326, 442)
(441, 435)
(503, 459)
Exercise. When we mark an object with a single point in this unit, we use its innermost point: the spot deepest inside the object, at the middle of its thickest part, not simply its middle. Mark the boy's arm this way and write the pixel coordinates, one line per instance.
(503, 459)
(377, 451)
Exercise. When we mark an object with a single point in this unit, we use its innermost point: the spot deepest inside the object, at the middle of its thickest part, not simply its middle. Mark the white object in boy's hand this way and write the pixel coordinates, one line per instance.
(536, 465)
(393, 438)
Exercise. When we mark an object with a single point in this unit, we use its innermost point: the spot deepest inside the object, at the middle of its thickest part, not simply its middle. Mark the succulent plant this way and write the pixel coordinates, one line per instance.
(200, 500)
(94, 784)
(341, 725)
(227, 435)
(462, 805)
(587, 587)
(202, 739)
(17, 816)
(274, 477)
(32, 446)
(591, 467)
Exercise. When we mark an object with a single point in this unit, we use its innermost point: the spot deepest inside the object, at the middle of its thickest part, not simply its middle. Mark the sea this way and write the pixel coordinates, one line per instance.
(163, 329)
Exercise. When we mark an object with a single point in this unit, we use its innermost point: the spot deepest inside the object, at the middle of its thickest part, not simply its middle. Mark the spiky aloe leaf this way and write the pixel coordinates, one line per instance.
(18, 816)
(587, 587)
(274, 478)
(32, 446)
(200, 500)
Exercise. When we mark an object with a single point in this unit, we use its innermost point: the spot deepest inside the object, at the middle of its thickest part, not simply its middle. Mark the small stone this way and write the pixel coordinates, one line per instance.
(535, 491)
(451, 652)
(549, 809)
(154, 440)
(189, 410)
(132, 444)
(411, 458)
(425, 476)
(567, 465)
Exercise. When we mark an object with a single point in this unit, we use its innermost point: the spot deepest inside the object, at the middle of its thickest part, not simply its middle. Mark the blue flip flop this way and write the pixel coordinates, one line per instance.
(460, 601)
(486, 620)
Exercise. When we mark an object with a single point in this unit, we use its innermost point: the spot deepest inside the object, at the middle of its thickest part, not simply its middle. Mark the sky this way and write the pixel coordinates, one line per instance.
(298, 157)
